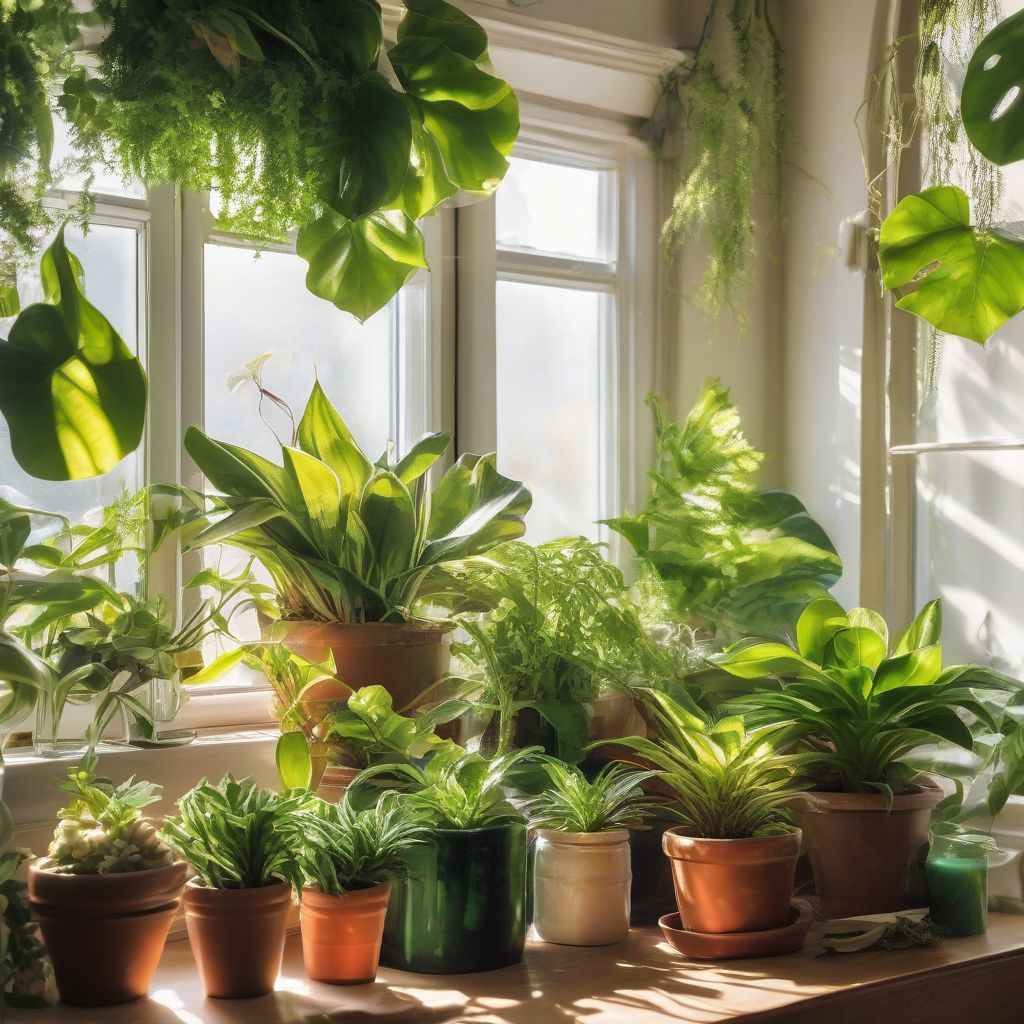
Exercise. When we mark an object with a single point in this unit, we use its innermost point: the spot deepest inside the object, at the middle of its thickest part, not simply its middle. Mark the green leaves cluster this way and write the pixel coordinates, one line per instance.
(285, 110)
(350, 540)
(857, 705)
(572, 803)
(733, 559)
(234, 833)
(730, 783)
(72, 392)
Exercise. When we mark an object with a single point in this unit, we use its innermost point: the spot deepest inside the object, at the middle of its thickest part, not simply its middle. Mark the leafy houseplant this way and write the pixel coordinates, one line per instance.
(734, 859)
(108, 882)
(581, 858)
(854, 707)
(355, 547)
(347, 859)
(233, 834)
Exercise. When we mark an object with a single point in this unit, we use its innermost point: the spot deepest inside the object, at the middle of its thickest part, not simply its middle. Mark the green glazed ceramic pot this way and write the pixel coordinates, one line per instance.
(462, 906)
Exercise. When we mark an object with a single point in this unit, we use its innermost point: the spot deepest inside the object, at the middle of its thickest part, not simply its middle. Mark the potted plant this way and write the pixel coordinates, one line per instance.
(353, 546)
(734, 858)
(346, 860)
(108, 883)
(460, 904)
(236, 906)
(855, 706)
(581, 862)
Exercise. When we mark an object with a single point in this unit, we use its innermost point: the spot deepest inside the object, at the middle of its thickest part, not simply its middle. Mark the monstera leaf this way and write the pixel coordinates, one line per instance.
(966, 280)
(992, 101)
(72, 393)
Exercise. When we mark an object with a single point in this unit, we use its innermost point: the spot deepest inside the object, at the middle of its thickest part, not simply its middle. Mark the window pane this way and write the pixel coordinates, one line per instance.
(556, 209)
(549, 361)
(109, 257)
(971, 554)
(106, 183)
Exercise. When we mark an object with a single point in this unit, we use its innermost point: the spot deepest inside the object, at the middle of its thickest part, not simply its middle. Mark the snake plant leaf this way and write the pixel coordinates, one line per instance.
(359, 265)
(389, 514)
(372, 140)
(992, 100)
(967, 280)
(72, 393)
(323, 433)
(436, 19)
(432, 72)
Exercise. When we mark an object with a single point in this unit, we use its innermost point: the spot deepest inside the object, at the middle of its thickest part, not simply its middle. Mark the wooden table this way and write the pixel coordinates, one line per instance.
(640, 981)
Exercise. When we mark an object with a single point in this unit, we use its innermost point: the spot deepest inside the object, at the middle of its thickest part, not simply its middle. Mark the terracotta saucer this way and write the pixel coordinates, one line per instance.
(734, 945)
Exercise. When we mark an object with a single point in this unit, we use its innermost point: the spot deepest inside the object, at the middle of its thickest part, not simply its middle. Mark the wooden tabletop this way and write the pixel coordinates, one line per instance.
(639, 981)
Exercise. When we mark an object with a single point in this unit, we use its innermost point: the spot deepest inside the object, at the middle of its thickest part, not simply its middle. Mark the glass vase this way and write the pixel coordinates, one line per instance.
(60, 727)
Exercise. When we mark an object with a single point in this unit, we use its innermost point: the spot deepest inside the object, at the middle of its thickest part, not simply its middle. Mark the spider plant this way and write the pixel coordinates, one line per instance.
(613, 800)
(231, 833)
(854, 705)
(339, 849)
(730, 784)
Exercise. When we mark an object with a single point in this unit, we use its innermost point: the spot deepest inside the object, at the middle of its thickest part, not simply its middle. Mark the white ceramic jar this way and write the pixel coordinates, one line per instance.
(581, 886)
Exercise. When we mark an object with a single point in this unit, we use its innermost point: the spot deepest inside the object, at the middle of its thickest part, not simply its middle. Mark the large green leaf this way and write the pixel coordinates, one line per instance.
(316, 489)
(350, 35)
(236, 471)
(390, 517)
(72, 393)
(920, 667)
(430, 71)
(426, 184)
(421, 457)
(359, 265)
(816, 625)
(436, 19)
(294, 764)
(967, 280)
(925, 630)
(756, 660)
(323, 433)
(992, 100)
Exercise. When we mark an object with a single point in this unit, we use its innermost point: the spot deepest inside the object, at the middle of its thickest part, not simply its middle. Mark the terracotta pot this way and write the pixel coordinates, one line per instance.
(406, 658)
(334, 782)
(581, 887)
(341, 935)
(237, 937)
(732, 885)
(866, 859)
(123, 919)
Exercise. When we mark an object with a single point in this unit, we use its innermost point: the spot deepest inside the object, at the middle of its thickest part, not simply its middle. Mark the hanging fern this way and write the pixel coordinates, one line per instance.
(728, 100)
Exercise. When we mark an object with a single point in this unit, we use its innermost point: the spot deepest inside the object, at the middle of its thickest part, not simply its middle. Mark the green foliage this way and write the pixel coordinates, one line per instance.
(731, 784)
(614, 800)
(72, 393)
(285, 110)
(729, 99)
(234, 834)
(992, 117)
(345, 539)
(857, 706)
(965, 280)
(102, 831)
(339, 849)
(733, 559)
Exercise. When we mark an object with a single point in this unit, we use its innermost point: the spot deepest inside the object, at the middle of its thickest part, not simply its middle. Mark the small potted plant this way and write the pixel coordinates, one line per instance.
(236, 907)
(734, 857)
(108, 883)
(346, 860)
(855, 707)
(460, 903)
(581, 861)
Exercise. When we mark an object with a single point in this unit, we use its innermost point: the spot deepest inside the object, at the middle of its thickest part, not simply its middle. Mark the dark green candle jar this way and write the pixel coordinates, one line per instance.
(957, 869)
(461, 906)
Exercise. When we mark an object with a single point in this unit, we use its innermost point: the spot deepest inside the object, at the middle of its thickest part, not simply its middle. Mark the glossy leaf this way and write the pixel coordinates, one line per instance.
(925, 630)
(816, 625)
(323, 433)
(421, 457)
(992, 99)
(390, 517)
(72, 393)
(920, 667)
(965, 280)
(436, 19)
(10, 302)
(294, 765)
(350, 34)
(359, 265)
(426, 184)
(432, 72)
(756, 660)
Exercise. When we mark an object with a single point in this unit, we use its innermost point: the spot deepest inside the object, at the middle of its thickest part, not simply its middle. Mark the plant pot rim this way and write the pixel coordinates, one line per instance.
(42, 866)
(680, 844)
(370, 892)
(370, 633)
(927, 795)
(448, 830)
(196, 884)
(687, 832)
(605, 837)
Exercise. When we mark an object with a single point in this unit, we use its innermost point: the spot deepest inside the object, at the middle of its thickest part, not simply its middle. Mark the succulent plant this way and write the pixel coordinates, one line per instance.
(103, 831)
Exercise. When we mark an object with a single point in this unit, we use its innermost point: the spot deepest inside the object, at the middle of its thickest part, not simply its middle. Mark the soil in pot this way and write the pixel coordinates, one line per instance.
(461, 907)
(123, 918)
(732, 885)
(341, 935)
(866, 859)
(237, 936)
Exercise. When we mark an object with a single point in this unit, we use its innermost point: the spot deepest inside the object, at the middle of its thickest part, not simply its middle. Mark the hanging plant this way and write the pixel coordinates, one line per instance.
(288, 111)
(728, 100)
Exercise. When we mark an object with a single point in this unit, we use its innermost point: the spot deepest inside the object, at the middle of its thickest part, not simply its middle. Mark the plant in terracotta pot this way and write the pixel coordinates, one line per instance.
(581, 857)
(108, 882)
(854, 707)
(734, 856)
(347, 860)
(354, 546)
(236, 907)
(460, 905)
